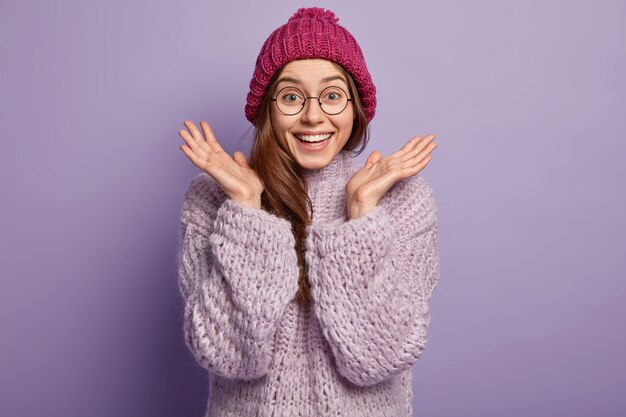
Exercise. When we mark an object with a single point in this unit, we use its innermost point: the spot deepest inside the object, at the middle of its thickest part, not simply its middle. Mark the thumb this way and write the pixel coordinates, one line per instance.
(240, 158)
(373, 158)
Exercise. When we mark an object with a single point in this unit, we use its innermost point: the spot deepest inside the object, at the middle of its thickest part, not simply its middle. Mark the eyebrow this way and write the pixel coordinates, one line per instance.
(324, 80)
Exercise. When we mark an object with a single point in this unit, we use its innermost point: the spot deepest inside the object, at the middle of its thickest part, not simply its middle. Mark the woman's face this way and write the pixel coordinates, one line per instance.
(311, 76)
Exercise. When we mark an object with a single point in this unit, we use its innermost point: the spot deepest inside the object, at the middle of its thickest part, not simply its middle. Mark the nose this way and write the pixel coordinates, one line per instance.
(312, 112)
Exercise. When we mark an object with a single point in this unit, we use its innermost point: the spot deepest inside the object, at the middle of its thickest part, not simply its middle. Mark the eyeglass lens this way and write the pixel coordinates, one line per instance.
(290, 100)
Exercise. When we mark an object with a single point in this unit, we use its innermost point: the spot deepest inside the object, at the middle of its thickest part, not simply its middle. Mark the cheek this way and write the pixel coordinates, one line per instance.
(347, 123)
(348, 120)
(275, 124)
(278, 124)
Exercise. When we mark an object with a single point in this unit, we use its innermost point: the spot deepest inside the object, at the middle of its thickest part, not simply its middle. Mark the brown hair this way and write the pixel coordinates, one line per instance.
(285, 193)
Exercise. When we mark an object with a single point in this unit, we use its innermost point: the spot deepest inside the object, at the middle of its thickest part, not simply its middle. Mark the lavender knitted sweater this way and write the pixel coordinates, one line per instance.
(350, 351)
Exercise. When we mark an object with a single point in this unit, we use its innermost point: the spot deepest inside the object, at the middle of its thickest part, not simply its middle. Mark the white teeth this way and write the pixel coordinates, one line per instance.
(314, 138)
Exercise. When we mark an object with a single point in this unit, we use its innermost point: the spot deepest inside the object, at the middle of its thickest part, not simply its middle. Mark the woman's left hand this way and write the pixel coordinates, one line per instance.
(370, 183)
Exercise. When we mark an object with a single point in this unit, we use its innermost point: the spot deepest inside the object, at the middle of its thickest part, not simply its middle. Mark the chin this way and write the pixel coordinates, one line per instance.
(313, 162)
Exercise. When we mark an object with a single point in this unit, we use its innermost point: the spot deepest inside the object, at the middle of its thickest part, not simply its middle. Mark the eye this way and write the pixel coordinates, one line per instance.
(290, 98)
(332, 95)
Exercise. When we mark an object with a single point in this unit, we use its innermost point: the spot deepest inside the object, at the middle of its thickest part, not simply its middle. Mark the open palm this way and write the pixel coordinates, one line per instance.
(234, 175)
(367, 186)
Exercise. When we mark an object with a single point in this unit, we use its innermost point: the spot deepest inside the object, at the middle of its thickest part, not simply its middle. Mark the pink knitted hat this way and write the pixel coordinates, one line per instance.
(310, 33)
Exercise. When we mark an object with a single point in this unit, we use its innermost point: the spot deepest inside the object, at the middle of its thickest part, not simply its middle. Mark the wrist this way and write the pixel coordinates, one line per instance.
(356, 210)
(249, 203)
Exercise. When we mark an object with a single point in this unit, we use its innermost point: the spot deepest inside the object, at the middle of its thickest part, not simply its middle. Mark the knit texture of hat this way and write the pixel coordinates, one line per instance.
(310, 33)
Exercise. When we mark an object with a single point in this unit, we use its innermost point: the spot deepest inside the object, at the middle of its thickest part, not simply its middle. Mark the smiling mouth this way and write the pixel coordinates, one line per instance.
(313, 138)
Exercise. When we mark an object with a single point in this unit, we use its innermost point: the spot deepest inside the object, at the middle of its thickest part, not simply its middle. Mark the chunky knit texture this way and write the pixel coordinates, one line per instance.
(348, 352)
(310, 33)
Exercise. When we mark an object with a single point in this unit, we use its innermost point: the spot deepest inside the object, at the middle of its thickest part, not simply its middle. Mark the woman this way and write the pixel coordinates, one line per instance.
(305, 278)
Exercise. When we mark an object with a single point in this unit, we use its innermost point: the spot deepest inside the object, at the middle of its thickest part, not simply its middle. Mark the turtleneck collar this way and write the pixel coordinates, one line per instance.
(340, 166)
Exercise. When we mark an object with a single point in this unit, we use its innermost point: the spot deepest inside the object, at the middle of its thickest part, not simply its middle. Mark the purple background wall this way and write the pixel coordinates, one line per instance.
(528, 101)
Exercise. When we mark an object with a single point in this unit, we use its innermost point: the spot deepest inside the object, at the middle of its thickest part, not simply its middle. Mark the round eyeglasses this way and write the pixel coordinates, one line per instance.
(290, 100)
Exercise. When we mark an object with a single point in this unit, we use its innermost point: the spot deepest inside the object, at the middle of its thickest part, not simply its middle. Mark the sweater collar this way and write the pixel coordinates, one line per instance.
(337, 169)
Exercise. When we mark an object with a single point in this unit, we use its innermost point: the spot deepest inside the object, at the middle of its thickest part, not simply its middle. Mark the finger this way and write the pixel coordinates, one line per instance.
(423, 153)
(210, 137)
(373, 158)
(407, 147)
(193, 157)
(415, 157)
(240, 158)
(191, 142)
(193, 129)
(425, 144)
(419, 165)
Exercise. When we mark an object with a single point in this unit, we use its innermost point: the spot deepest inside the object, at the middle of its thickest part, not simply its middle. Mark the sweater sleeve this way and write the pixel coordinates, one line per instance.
(237, 270)
(371, 278)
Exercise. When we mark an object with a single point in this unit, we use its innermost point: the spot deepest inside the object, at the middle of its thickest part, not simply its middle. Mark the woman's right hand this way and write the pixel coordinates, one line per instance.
(240, 182)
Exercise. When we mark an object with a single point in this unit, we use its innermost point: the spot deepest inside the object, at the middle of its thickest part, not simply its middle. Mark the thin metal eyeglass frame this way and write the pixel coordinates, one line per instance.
(317, 98)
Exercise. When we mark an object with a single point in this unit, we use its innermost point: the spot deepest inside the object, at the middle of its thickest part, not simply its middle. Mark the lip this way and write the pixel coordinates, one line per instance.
(312, 133)
(315, 147)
